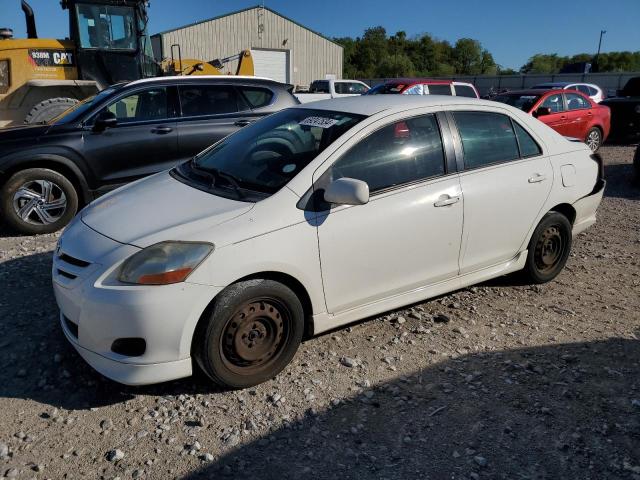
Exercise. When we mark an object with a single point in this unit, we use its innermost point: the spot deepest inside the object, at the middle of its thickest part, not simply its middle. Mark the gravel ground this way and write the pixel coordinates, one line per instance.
(501, 380)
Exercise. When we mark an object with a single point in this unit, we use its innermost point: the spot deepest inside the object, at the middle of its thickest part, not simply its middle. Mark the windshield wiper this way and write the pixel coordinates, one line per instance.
(214, 174)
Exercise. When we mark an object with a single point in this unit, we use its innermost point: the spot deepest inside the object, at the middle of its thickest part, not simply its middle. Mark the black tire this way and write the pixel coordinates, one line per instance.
(636, 166)
(594, 139)
(49, 109)
(225, 338)
(47, 214)
(549, 248)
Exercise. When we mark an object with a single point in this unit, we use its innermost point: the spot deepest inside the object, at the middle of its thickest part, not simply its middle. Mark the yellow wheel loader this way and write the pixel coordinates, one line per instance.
(108, 43)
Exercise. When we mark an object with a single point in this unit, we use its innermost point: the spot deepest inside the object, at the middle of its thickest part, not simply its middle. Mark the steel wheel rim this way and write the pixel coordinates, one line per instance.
(549, 249)
(40, 202)
(593, 140)
(255, 335)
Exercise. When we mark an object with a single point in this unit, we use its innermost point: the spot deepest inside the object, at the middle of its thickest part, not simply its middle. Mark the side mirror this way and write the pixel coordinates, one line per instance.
(347, 191)
(542, 111)
(105, 120)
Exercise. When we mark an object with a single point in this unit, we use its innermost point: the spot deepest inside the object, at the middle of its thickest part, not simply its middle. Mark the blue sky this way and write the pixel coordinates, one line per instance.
(511, 30)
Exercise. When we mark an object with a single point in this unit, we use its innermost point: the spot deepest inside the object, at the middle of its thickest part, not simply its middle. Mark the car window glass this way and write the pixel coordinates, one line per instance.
(257, 97)
(349, 88)
(415, 90)
(141, 106)
(528, 146)
(554, 102)
(320, 87)
(486, 138)
(199, 100)
(583, 88)
(440, 89)
(394, 155)
(576, 102)
(465, 91)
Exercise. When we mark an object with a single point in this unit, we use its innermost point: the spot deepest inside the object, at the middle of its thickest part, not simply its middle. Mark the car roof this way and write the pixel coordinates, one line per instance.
(194, 78)
(534, 91)
(371, 104)
(556, 84)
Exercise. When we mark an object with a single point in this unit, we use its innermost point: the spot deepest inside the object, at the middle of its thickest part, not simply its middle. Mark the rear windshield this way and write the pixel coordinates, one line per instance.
(523, 102)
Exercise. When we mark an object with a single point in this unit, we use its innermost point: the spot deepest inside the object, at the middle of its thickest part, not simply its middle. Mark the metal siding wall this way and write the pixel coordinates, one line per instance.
(311, 56)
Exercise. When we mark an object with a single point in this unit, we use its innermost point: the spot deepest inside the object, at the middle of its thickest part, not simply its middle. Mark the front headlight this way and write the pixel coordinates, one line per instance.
(164, 263)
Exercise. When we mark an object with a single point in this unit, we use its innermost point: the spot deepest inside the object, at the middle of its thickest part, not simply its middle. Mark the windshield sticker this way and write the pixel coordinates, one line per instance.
(289, 168)
(321, 122)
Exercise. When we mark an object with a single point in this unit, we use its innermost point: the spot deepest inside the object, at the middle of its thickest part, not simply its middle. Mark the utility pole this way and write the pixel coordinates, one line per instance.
(602, 32)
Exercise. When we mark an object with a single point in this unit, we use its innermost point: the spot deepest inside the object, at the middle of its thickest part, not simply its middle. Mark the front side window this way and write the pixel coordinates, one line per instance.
(465, 91)
(262, 157)
(199, 100)
(106, 27)
(486, 138)
(576, 102)
(320, 87)
(351, 88)
(440, 89)
(397, 154)
(141, 106)
(554, 102)
(415, 90)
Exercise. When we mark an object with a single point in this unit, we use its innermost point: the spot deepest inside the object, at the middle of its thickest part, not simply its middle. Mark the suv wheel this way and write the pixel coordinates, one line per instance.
(38, 200)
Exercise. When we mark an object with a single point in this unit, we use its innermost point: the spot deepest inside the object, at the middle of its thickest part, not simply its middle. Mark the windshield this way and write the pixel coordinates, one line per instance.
(386, 88)
(258, 160)
(74, 113)
(523, 102)
(106, 27)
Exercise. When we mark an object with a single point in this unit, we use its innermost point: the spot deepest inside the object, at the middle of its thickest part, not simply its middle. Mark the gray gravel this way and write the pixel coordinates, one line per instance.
(499, 381)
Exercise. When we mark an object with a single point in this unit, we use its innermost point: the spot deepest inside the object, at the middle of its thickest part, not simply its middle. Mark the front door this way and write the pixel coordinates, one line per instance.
(408, 235)
(143, 142)
(505, 182)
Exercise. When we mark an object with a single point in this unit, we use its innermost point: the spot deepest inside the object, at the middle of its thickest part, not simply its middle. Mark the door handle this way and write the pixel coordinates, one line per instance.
(162, 130)
(446, 200)
(537, 178)
(243, 123)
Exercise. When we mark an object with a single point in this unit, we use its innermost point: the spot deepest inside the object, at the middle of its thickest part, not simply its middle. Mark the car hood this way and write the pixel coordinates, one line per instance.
(23, 132)
(159, 208)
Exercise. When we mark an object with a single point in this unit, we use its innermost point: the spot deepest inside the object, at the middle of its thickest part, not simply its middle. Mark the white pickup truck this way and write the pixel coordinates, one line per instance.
(326, 89)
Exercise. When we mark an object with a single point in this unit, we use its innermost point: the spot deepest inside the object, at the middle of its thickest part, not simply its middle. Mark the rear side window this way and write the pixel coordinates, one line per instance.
(440, 89)
(199, 100)
(257, 97)
(592, 91)
(465, 91)
(350, 88)
(319, 87)
(486, 138)
(528, 146)
(576, 102)
(397, 154)
(415, 90)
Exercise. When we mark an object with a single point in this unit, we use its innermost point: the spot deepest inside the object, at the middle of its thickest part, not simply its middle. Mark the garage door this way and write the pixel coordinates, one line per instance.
(273, 64)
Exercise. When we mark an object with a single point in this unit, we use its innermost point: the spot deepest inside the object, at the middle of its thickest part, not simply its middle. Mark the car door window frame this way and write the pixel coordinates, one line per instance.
(172, 93)
(239, 95)
(309, 202)
(459, 149)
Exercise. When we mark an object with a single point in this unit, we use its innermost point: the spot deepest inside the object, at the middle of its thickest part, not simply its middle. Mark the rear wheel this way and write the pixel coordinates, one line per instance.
(49, 109)
(251, 333)
(38, 200)
(549, 248)
(594, 139)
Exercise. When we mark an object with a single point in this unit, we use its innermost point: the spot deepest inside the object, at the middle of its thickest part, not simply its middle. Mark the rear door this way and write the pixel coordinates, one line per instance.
(505, 182)
(557, 119)
(208, 114)
(144, 141)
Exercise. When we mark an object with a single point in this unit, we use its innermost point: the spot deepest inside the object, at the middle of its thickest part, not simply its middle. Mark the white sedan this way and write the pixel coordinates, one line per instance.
(312, 218)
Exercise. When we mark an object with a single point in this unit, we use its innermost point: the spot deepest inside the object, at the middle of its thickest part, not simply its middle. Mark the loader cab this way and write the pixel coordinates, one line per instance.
(112, 43)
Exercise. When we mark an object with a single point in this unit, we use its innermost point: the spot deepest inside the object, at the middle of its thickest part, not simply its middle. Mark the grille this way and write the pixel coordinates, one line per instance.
(70, 268)
(72, 327)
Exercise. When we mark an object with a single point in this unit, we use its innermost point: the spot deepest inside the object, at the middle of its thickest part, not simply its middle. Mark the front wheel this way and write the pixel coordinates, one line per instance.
(252, 332)
(38, 200)
(594, 139)
(549, 248)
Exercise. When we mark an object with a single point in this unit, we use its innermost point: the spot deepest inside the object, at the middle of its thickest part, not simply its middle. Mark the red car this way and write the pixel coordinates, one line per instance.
(425, 86)
(568, 112)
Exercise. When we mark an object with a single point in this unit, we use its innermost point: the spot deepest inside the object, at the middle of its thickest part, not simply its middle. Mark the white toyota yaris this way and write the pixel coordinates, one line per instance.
(311, 218)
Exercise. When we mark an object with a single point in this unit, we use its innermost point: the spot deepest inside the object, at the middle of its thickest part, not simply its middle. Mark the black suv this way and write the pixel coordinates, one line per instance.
(127, 131)
(625, 113)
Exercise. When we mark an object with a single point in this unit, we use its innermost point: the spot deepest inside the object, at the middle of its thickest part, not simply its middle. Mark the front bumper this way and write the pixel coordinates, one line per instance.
(586, 208)
(101, 310)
